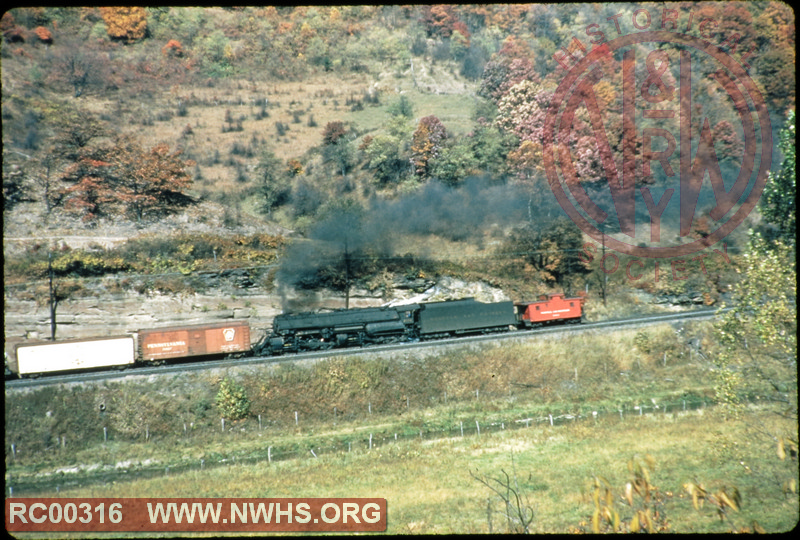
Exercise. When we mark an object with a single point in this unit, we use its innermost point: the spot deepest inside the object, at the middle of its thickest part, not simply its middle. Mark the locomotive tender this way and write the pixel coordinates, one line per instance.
(293, 333)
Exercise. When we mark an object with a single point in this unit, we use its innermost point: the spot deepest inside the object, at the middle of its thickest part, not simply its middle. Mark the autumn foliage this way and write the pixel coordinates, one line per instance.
(441, 20)
(44, 35)
(426, 143)
(172, 48)
(125, 23)
(128, 180)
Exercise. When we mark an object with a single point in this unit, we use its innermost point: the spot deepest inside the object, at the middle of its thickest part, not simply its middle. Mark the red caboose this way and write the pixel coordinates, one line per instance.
(550, 308)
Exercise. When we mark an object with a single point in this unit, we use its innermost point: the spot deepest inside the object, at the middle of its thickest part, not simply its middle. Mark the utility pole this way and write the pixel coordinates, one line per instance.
(602, 262)
(346, 275)
(53, 300)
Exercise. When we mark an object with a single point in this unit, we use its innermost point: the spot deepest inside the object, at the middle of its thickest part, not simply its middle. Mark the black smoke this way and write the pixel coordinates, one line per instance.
(351, 241)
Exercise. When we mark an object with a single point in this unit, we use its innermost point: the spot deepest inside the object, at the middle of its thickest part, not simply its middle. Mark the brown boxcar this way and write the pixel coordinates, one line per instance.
(550, 308)
(186, 341)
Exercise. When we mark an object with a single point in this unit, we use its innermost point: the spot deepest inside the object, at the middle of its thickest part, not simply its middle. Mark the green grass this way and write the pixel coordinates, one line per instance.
(429, 489)
(425, 480)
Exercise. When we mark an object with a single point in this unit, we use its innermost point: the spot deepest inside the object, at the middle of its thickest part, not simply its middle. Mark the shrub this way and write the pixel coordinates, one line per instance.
(232, 400)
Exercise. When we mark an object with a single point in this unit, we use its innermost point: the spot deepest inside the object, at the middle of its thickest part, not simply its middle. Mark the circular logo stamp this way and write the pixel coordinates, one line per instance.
(663, 158)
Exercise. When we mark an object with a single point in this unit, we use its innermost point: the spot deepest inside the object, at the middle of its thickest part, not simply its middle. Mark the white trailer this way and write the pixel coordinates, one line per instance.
(69, 355)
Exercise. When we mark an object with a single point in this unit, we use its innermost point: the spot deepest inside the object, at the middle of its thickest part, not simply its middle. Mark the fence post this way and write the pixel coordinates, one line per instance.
(14, 450)
(369, 407)
(551, 420)
(462, 429)
(259, 422)
(370, 441)
(223, 424)
(105, 434)
(296, 420)
(269, 455)
(477, 425)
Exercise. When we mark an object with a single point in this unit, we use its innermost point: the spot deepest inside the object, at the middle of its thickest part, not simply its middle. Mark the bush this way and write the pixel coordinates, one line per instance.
(232, 400)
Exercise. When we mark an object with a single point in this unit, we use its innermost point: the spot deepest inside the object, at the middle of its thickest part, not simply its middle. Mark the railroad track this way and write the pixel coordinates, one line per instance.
(615, 324)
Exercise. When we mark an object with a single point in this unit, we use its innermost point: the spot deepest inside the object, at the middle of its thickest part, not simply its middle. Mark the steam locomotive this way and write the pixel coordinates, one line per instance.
(292, 333)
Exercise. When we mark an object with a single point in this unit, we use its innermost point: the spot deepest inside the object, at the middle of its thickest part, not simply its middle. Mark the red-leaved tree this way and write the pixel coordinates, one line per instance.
(426, 143)
(125, 179)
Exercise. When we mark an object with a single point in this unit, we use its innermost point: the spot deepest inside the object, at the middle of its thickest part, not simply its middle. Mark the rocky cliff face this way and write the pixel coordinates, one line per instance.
(106, 307)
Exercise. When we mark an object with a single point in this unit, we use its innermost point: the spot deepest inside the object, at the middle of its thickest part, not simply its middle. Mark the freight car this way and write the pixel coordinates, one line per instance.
(159, 344)
(70, 355)
(145, 347)
(296, 333)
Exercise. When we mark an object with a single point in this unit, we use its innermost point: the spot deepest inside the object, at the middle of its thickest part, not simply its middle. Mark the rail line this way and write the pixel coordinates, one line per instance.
(615, 324)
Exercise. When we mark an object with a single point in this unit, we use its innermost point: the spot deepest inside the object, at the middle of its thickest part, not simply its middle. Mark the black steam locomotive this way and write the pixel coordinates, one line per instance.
(366, 326)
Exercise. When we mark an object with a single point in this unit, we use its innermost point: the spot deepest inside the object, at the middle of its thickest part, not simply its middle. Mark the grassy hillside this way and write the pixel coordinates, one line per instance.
(651, 391)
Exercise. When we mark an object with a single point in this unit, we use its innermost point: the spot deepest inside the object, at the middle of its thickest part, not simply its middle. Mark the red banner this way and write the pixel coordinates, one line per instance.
(195, 515)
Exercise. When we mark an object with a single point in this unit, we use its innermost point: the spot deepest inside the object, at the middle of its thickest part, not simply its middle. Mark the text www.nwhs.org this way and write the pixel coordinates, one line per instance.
(331, 513)
(196, 514)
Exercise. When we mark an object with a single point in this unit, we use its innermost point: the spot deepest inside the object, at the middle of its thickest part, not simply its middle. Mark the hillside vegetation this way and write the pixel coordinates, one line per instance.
(239, 162)
(420, 125)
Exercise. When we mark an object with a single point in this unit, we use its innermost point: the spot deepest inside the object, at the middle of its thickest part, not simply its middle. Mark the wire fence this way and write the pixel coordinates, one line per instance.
(362, 442)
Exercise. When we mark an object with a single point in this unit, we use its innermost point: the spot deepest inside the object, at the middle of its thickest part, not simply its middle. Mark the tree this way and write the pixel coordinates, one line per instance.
(14, 189)
(402, 107)
(88, 195)
(387, 154)
(81, 68)
(510, 66)
(779, 200)
(553, 251)
(336, 146)
(124, 178)
(426, 143)
(125, 23)
(273, 183)
(759, 333)
(74, 129)
(517, 508)
(333, 131)
(339, 248)
(455, 162)
(232, 400)
(149, 183)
